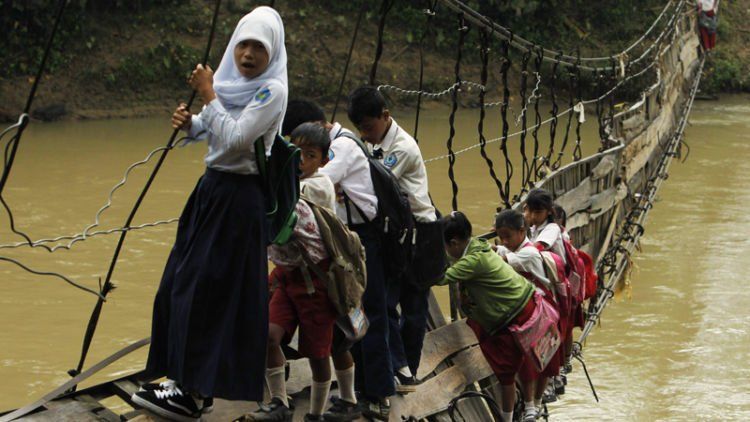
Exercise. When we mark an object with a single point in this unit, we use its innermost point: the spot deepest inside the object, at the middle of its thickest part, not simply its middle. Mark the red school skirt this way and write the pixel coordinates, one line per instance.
(500, 350)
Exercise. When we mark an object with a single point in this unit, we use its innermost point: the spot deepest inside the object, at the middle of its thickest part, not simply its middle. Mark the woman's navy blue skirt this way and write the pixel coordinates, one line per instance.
(210, 321)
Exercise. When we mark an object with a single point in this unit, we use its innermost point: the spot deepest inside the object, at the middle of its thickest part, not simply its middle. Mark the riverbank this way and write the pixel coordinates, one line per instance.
(121, 62)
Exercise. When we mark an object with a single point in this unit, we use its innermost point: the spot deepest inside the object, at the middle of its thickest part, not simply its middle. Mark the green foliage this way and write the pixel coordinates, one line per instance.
(165, 64)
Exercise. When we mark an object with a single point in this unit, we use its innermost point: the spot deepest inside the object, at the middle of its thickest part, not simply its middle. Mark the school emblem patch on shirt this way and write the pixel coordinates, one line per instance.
(330, 155)
(263, 95)
(390, 160)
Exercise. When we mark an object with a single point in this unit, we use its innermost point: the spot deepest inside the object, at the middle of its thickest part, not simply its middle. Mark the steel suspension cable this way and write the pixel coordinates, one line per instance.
(537, 118)
(385, 7)
(505, 66)
(107, 287)
(462, 30)
(484, 55)
(348, 60)
(429, 13)
(577, 150)
(553, 112)
(522, 146)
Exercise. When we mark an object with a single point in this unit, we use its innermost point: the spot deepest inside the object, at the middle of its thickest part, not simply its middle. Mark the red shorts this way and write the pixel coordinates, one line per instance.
(500, 350)
(291, 306)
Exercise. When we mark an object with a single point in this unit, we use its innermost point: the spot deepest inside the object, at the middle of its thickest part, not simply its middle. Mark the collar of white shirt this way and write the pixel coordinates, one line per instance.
(390, 136)
(523, 244)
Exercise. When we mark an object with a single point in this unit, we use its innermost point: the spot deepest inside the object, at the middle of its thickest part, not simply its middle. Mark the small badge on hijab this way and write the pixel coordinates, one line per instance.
(263, 95)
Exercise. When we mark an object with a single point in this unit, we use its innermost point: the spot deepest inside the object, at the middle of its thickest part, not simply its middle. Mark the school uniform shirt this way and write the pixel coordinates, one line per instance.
(526, 259)
(707, 5)
(231, 131)
(306, 239)
(492, 293)
(551, 235)
(349, 169)
(400, 153)
(319, 190)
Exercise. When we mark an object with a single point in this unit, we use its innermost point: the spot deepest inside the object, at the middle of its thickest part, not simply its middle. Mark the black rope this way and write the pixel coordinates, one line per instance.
(537, 117)
(462, 30)
(484, 55)
(385, 7)
(429, 13)
(586, 371)
(525, 167)
(107, 287)
(553, 112)
(600, 91)
(504, 50)
(53, 274)
(348, 60)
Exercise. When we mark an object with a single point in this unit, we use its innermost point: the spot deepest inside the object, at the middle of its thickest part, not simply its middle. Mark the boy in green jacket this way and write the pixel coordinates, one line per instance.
(493, 297)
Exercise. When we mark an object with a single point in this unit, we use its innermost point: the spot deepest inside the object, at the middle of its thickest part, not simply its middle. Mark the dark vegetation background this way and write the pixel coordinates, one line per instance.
(121, 58)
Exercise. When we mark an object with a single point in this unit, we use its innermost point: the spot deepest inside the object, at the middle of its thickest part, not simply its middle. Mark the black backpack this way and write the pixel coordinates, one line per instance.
(280, 175)
(394, 219)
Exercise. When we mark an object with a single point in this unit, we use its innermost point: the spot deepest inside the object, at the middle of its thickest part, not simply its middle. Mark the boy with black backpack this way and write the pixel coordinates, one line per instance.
(350, 170)
(309, 290)
(409, 283)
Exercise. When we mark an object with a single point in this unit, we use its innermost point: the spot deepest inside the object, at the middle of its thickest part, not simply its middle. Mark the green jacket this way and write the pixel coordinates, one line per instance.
(492, 293)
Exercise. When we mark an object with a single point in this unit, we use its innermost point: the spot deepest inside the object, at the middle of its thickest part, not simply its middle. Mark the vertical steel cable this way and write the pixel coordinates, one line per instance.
(553, 112)
(525, 167)
(537, 117)
(429, 13)
(579, 99)
(504, 51)
(571, 96)
(11, 148)
(463, 29)
(108, 286)
(484, 55)
(600, 91)
(348, 60)
(385, 7)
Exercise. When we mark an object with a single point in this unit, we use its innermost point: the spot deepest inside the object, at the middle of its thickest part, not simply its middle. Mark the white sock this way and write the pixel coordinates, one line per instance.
(277, 383)
(529, 407)
(405, 371)
(507, 416)
(319, 396)
(345, 380)
(538, 403)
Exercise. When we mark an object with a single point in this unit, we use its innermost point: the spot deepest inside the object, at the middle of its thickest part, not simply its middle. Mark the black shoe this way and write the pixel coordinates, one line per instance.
(274, 411)
(549, 395)
(559, 384)
(208, 403)
(313, 418)
(342, 411)
(171, 403)
(376, 409)
(404, 384)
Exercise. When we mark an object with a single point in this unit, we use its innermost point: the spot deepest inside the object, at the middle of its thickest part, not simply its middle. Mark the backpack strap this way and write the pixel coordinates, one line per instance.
(310, 265)
(362, 214)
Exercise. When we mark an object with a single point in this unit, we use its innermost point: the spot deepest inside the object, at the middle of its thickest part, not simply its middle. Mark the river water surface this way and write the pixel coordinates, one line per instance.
(677, 350)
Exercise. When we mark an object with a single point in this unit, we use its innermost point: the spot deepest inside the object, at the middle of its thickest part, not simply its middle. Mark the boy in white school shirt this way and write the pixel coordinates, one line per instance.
(400, 153)
(349, 170)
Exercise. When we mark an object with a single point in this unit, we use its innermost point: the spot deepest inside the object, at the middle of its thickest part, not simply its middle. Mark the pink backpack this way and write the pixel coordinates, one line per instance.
(555, 271)
(539, 337)
(576, 273)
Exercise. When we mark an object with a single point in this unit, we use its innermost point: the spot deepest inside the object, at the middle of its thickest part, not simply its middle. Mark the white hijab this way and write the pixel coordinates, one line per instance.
(262, 24)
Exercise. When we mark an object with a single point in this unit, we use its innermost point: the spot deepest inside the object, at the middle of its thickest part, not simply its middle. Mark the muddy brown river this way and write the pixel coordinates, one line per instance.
(674, 346)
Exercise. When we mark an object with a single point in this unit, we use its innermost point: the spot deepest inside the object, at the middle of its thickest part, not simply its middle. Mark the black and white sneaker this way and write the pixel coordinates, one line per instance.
(376, 409)
(208, 403)
(342, 411)
(171, 403)
(404, 384)
(274, 411)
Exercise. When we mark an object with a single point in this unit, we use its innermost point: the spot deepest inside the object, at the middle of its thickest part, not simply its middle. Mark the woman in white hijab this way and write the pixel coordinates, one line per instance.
(210, 320)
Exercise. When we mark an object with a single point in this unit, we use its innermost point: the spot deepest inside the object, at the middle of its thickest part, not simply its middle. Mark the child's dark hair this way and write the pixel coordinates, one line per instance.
(298, 112)
(365, 101)
(312, 134)
(560, 215)
(540, 199)
(456, 226)
(510, 219)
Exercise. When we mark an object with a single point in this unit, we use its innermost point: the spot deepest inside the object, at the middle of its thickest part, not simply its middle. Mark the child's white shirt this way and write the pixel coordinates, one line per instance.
(551, 235)
(526, 258)
(348, 167)
(401, 154)
(231, 132)
(319, 189)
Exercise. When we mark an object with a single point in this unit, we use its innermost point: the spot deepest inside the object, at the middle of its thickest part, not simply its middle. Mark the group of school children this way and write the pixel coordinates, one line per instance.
(221, 324)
